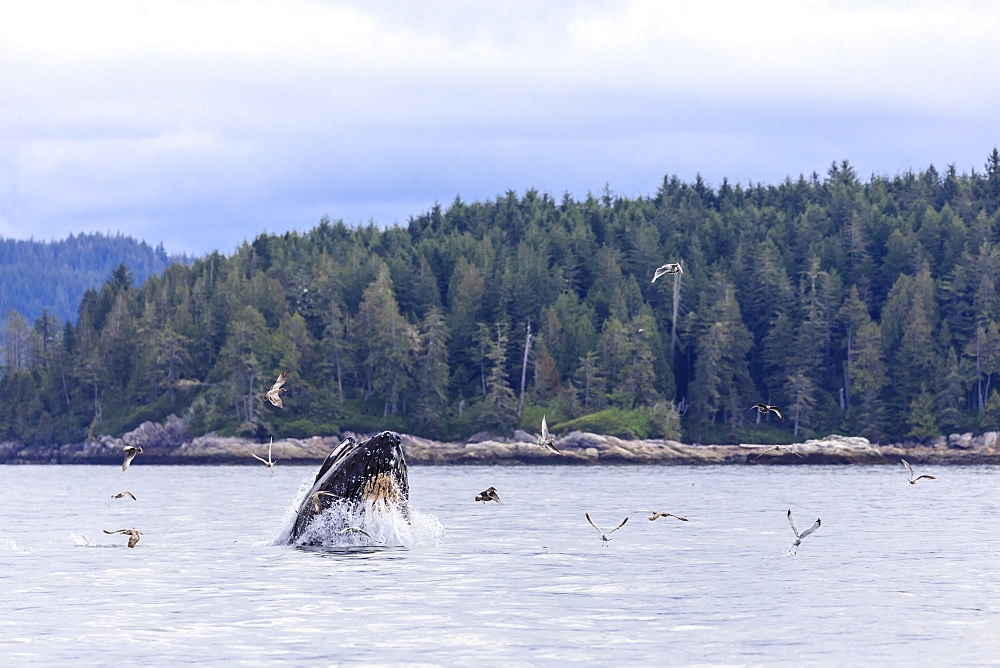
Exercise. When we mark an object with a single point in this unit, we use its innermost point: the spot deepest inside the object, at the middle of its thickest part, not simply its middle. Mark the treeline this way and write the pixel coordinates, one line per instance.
(50, 277)
(856, 307)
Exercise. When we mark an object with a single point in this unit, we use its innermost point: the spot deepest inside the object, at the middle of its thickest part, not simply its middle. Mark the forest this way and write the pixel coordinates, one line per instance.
(50, 277)
(861, 307)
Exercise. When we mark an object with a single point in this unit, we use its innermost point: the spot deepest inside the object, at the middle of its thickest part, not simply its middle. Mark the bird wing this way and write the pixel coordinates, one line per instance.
(810, 529)
(655, 516)
(682, 519)
(908, 467)
(260, 459)
(587, 515)
(128, 460)
(796, 454)
(551, 446)
(929, 477)
(118, 531)
(765, 452)
(774, 409)
(795, 529)
(269, 444)
(274, 398)
(130, 494)
(279, 382)
(660, 271)
(356, 530)
(545, 429)
(618, 527)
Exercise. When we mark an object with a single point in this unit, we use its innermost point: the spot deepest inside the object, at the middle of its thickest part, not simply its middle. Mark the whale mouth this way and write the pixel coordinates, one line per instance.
(370, 475)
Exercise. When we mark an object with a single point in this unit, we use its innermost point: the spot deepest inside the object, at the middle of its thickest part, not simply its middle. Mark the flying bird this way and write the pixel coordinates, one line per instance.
(356, 530)
(764, 408)
(121, 495)
(913, 481)
(267, 462)
(545, 440)
(133, 535)
(656, 516)
(488, 494)
(779, 448)
(605, 536)
(669, 268)
(274, 394)
(130, 452)
(316, 503)
(800, 536)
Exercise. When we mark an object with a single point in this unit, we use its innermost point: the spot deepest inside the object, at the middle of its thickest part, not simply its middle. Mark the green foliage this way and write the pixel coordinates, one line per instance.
(658, 421)
(868, 308)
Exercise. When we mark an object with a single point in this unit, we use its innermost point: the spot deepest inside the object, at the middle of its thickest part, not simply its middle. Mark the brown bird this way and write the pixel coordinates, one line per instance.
(779, 448)
(130, 452)
(121, 495)
(913, 481)
(605, 536)
(656, 516)
(274, 394)
(670, 268)
(133, 535)
(267, 462)
(764, 408)
(316, 503)
(488, 494)
(545, 440)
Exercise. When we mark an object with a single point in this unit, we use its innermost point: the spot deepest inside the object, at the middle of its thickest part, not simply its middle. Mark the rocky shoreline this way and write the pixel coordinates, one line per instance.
(170, 443)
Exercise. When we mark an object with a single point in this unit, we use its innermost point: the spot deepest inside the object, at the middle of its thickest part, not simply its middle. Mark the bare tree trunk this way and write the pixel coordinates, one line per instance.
(340, 384)
(524, 367)
(674, 342)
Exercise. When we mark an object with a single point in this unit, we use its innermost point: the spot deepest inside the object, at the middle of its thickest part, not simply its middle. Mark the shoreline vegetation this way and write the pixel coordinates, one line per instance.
(864, 307)
(170, 443)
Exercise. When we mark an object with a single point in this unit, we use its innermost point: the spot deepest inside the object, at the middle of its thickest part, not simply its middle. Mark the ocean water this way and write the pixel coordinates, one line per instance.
(897, 574)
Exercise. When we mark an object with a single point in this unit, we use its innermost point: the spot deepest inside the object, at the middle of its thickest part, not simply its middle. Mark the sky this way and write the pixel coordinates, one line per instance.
(201, 124)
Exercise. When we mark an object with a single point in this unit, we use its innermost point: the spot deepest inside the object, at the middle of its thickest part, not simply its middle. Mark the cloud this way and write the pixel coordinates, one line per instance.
(207, 122)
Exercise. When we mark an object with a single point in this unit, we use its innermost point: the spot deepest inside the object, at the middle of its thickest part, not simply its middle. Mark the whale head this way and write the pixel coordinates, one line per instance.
(371, 475)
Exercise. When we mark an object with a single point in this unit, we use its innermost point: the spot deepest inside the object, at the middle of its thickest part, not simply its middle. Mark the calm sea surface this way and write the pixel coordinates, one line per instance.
(897, 574)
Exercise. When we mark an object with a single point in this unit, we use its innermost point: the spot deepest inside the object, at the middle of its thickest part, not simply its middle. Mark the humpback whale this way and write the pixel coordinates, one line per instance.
(357, 476)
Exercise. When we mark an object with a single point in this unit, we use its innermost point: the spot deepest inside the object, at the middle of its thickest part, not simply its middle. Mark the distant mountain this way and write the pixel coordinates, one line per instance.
(53, 275)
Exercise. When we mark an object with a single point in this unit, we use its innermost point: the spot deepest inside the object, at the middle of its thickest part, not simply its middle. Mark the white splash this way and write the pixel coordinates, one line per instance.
(10, 545)
(386, 525)
(80, 540)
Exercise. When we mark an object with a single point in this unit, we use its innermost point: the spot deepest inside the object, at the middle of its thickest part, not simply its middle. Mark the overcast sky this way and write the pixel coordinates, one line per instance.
(203, 123)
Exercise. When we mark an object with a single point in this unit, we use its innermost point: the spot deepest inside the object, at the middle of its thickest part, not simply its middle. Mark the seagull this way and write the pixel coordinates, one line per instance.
(488, 494)
(356, 530)
(545, 440)
(656, 516)
(669, 268)
(605, 536)
(315, 500)
(913, 481)
(133, 535)
(274, 394)
(267, 462)
(121, 495)
(764, 408)
(800, 536)
(130, 452)
(778, 448)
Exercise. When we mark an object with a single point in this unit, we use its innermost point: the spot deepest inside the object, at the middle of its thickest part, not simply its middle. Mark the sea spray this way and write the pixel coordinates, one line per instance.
(386, 525)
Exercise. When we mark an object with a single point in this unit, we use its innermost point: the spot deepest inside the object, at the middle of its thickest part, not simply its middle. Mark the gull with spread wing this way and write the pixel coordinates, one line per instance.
(800, 536)
(605, 537)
